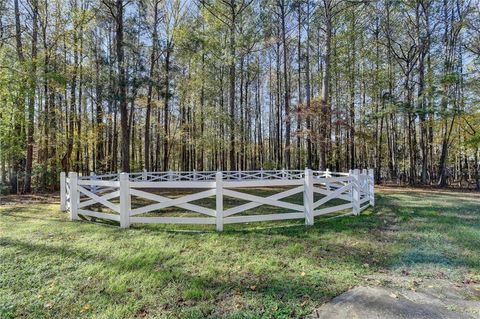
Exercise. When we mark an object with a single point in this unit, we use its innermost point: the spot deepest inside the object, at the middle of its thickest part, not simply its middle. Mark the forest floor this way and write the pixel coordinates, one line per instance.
(411, 240)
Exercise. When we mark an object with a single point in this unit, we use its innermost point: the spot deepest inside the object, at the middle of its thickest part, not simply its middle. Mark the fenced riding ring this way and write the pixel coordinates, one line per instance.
(140, 197)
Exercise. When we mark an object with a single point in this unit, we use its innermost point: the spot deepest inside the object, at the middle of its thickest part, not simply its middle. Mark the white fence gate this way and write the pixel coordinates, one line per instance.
(78, 194)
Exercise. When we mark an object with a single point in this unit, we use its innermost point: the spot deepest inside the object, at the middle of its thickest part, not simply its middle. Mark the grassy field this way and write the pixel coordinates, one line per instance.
(53, 268)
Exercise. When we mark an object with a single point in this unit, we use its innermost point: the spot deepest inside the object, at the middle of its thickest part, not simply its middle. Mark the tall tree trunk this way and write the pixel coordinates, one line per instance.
(201, 159)
(308, 90)
(231, 102)
(31, 100)
(153, 59)
(300, 95)
(18, 33)
(122, 83)
(325, 91)
(73, 91)
(278, 140)
(17, 161)
(477, 169)
(99, 154)
(241, 162)
(411, 133)
(166, 109)
(352, 66)
(286, 93)
(425, 47)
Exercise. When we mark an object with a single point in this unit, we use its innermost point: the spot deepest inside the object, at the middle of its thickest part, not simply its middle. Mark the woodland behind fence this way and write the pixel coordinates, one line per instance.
(101, 85)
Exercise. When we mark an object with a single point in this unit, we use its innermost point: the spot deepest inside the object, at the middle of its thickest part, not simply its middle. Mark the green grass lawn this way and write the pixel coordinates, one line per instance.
(53, 268)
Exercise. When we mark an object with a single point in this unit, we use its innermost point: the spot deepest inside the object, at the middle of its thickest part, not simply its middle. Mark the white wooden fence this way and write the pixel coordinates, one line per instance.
(354, 189)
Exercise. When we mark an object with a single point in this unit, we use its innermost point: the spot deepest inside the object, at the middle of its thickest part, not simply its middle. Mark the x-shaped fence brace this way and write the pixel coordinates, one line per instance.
(256, 201)
(165, 202)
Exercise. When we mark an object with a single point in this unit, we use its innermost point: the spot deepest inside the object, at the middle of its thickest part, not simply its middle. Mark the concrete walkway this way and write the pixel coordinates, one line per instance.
(386, 303)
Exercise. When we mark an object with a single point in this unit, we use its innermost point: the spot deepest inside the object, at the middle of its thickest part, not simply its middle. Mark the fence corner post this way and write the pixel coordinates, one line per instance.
(308, 197)
(219, 201)
(371, 186)
(74, 195)
(125, 201)
(355, 192)
(63, 193)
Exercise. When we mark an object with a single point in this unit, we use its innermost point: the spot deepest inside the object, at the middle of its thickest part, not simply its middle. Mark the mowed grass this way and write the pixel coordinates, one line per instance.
(53, 268)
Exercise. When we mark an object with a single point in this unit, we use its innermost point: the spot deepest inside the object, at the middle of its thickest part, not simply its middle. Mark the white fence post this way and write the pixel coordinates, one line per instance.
(219, 201)
(327, 182)
(63, 192)
(74, 195)
(261, 173)
(350, 173)
(371, 186)
(125, 201)
(94, 188)
(355, 192)
(308, 197)
(365, 181)
(144, 174)
(283, 173)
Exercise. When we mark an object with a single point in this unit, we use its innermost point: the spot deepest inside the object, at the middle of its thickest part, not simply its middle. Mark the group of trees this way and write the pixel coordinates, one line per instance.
(108, 85)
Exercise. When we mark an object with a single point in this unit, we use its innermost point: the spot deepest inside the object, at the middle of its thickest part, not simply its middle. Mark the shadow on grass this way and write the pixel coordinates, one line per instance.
(276, 269)
(439, 230)
(29, 212)
(212, 271)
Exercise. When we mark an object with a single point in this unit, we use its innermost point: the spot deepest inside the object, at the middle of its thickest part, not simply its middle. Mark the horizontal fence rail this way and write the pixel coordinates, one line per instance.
(355, 191)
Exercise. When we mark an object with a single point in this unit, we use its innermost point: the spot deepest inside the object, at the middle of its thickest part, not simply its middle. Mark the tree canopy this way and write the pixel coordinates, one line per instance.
(109, 85)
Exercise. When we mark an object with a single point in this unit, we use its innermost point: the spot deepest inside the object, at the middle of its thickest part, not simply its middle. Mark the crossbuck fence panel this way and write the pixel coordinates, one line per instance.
(81, 195)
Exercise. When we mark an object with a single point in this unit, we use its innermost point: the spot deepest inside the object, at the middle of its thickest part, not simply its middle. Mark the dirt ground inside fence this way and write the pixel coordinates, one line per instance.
(40, 198)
